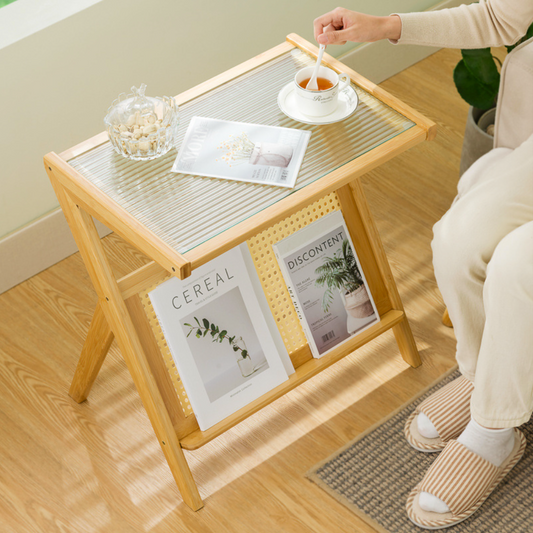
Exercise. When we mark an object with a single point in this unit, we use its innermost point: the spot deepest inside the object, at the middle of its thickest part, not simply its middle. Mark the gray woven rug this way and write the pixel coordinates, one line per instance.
(374, 474)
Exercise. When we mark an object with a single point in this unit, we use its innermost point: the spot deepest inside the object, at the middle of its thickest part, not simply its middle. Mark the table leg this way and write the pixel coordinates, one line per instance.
(402, 331)
(119, 320)
(183, 425)
(406, 343)
(95, 348)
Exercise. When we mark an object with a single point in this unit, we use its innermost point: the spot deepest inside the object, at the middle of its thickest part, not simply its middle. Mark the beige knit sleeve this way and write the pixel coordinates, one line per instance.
(479, 25)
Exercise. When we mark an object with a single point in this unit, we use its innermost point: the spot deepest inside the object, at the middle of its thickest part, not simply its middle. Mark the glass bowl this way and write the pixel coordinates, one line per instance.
(140, 127)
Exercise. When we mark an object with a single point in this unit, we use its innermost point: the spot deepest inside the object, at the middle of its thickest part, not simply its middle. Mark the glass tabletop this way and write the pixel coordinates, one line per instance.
(186, 210)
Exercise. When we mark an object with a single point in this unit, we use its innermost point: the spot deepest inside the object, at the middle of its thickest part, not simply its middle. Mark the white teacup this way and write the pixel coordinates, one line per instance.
(319, 103)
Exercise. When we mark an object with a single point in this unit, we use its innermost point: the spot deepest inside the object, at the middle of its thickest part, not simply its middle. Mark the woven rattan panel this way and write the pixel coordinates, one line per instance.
(274, 287)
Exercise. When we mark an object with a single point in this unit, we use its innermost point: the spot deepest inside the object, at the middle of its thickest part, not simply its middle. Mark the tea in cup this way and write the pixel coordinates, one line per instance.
(323, 84)
(323, 101)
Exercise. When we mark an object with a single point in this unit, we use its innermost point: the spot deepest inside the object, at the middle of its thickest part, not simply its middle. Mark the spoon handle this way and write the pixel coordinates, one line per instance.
(312, 84)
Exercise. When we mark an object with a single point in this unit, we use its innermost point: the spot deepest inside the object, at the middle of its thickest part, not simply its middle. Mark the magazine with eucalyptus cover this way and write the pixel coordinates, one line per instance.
(326, 283)
(222, 336)
(256, 153)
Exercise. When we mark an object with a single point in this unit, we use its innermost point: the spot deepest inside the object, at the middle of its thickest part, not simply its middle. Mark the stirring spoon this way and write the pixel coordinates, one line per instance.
(312, 85)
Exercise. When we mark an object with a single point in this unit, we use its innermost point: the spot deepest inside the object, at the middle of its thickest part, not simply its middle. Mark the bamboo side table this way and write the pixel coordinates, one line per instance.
(182, 222)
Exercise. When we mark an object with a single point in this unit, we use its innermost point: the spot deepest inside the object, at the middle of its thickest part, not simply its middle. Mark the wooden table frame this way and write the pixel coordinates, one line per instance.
(119, 313)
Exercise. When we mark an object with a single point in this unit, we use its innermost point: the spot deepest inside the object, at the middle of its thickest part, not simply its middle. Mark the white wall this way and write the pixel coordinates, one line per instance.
(56, 84)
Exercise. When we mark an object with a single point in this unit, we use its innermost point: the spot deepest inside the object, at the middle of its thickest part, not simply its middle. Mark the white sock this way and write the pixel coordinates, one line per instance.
(494, 445)
(426, 427)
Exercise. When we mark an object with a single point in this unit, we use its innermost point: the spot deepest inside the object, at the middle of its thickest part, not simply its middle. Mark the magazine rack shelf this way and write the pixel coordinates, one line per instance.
(182, 222)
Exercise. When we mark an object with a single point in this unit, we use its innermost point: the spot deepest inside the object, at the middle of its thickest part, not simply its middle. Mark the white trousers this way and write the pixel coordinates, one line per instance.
(483, 260)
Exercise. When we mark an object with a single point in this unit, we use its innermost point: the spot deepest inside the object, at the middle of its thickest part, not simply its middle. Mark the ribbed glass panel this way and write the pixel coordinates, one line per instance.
(187, 210)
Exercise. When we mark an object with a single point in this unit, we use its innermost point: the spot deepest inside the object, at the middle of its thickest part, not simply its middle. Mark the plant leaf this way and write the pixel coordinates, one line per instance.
(235, 348)
(477, 79)
(481, 65)
(205, 322)
(223, 333)
(471, 90)
(244, 353)
(528, 34)
(327, 299)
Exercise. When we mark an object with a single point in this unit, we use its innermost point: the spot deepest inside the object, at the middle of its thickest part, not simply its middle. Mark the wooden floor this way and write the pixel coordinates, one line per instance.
(97, 466)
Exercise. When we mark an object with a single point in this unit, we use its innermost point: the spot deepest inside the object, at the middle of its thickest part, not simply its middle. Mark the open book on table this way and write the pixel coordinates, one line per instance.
(240, 151)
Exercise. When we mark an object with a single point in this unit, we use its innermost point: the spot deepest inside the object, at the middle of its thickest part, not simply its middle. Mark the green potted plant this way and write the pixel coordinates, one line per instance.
(340, 272)
(477, 79)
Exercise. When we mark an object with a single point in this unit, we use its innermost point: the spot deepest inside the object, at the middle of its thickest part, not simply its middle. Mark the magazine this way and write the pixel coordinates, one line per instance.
(222, 336)
(326, 283)
(244, 152)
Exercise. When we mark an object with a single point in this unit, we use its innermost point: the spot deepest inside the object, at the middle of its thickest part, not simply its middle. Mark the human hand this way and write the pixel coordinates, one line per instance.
(341, 25)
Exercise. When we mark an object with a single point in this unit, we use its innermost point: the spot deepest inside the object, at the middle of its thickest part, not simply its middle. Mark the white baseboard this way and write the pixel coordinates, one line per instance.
(36, 247)
(381, 60)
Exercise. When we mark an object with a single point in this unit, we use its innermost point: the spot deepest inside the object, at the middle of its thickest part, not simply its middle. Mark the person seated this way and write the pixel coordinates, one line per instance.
(483, 262)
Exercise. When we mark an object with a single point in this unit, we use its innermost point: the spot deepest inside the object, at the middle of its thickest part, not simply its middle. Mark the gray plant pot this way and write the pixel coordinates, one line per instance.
(476, 141)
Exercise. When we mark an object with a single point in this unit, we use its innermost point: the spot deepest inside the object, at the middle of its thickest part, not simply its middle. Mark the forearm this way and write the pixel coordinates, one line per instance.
(369, 28)
(391, 27)
(479, 25)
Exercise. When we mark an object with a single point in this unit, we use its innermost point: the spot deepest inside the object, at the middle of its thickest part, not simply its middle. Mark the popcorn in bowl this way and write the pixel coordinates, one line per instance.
(141, 127)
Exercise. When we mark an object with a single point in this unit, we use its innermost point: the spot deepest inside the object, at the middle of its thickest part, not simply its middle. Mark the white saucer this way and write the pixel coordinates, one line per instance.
(348, 102)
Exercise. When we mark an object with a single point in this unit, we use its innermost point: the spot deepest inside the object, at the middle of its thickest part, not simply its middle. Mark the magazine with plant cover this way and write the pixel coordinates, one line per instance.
(222, 336)
(255, 153)
(326, 283)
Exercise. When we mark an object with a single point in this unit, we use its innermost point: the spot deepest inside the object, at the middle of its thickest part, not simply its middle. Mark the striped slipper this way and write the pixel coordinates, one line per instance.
(462, 480)
(449, 411)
